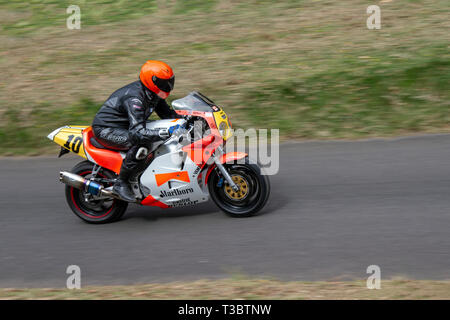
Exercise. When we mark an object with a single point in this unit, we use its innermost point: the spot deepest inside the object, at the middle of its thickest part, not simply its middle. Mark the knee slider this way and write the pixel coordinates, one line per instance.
(142, 153)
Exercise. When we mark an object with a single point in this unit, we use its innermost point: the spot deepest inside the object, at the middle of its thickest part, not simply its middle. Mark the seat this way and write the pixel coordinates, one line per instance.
(102, 156)
(97, 144)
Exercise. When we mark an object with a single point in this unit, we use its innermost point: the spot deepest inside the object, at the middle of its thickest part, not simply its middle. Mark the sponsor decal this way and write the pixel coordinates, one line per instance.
(176, 192)
(182, 203)
(164, 177)
(196, 171)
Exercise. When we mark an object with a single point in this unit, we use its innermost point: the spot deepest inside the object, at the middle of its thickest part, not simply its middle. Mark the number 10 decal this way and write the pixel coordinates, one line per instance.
(76, 144)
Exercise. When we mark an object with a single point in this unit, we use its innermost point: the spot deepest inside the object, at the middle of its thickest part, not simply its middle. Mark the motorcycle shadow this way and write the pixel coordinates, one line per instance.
(276, 201)
(154, 213)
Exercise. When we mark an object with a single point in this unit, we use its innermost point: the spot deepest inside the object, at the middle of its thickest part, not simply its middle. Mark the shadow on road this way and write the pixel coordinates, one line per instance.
(153, 213)
(275, 202)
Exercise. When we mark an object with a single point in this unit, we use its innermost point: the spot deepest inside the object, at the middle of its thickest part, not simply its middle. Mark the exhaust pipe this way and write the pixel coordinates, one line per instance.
(78, 182)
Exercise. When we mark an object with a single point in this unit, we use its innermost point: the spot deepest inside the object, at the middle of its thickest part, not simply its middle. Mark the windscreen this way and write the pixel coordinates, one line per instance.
(194, 101)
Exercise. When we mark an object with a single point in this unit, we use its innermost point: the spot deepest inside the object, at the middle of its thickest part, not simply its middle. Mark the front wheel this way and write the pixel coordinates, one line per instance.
(253, 193)
(88, 208)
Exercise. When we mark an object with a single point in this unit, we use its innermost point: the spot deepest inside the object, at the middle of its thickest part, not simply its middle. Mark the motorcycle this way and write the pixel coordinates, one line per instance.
(184, 170)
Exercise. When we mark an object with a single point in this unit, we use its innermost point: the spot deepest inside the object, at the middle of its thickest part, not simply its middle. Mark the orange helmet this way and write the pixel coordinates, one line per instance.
(158, 77)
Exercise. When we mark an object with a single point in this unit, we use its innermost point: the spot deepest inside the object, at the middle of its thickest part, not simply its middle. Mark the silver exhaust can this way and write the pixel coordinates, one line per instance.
(78, 182)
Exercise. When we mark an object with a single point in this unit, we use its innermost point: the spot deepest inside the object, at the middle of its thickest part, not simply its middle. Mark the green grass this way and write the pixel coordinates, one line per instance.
(388, 97)
(28, 137)
(310, 68)
(30, 16)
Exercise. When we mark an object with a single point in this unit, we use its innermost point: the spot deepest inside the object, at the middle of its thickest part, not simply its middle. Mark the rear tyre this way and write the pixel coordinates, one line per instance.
(254, 189)
(89, 209)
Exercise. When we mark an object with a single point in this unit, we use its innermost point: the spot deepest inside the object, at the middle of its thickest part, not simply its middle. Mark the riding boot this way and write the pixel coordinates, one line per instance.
(122, 185)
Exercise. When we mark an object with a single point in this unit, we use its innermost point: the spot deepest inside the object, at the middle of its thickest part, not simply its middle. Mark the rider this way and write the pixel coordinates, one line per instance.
(120, 122)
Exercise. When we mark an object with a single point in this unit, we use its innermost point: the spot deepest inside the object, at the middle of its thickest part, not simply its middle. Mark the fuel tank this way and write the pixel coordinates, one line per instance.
(165, 123)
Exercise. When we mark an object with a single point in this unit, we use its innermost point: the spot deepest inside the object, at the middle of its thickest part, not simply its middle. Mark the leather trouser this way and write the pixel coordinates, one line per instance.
(119, 139)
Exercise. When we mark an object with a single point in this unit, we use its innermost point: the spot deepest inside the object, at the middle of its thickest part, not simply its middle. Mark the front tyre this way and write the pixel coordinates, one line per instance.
(253, 193)
(85, 206)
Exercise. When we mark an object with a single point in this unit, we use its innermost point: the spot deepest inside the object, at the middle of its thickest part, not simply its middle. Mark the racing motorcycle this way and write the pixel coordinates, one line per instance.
(186, 169)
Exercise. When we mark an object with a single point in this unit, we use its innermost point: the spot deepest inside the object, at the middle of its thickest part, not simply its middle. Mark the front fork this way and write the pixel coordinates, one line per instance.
(218, 152)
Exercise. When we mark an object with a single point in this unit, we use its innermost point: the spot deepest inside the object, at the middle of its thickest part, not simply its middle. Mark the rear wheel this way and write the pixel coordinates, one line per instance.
(89, 208)
(253, 193)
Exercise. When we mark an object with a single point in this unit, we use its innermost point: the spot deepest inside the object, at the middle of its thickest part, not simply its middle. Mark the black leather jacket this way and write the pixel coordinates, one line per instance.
(129, 108)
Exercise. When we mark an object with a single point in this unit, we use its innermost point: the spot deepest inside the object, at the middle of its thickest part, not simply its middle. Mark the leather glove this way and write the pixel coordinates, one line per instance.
(164, 133)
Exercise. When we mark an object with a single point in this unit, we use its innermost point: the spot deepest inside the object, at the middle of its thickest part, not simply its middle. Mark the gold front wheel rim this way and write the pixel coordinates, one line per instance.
(243, 188)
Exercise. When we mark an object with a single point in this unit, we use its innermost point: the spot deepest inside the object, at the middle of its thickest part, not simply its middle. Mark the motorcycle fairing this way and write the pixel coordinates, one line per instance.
(226, 158)
(105, 158)
(77, 140)
(201, 150)
(150, 201)
(70, 138)
(162, 178)
(173, 181)
(181, 167)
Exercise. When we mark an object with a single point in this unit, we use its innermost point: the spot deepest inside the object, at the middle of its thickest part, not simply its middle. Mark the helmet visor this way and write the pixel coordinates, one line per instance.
(165, 85)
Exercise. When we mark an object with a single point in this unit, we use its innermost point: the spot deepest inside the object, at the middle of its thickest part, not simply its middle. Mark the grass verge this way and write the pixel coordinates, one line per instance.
(246, 289)
(310, 68)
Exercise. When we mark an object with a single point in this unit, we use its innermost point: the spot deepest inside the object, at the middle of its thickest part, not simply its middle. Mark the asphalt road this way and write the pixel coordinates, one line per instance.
(335, 209)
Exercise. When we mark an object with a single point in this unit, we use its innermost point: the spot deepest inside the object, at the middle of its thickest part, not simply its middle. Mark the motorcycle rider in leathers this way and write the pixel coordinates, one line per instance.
(120, 122)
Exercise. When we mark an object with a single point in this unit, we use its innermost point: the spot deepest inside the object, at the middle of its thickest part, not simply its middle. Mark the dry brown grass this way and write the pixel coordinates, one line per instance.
(239, 51)
(224, 49)
(246, 289)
